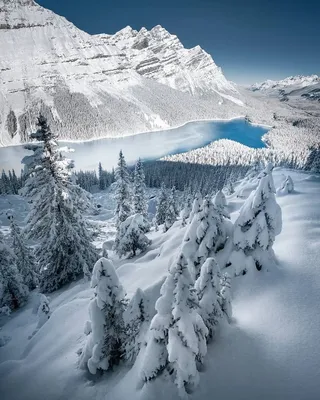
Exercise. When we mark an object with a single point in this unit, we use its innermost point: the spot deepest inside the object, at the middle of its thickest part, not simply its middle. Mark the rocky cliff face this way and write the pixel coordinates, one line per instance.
(100, 85)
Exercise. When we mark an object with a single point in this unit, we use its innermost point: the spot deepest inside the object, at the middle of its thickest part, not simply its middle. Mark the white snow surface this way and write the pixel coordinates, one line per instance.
(270, 350)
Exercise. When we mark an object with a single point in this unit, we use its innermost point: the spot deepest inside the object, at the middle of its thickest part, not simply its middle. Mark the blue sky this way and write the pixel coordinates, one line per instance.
(251, 40)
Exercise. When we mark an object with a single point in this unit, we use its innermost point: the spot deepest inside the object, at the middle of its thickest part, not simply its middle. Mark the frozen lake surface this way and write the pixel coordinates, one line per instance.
(148, 146)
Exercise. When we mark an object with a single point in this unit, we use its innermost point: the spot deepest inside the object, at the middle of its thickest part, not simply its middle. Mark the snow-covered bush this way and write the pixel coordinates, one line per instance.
(256, 227)
(177, 334)
(13, 291)
(286, 187)
(131, 236)
(136, 321)
(208, 290)
(206, 235)
(106, 329)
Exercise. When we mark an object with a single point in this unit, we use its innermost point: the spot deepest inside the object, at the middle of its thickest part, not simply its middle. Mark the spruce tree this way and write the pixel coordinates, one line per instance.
(187, 333)
(225, 296)
(102, 183)
(186, 210)
(171, 212)
(24, 255)
(196, 206)
(131, 236)
(123, 191)
(206, 235)
(256, 227)
(106, 328)
(13, 293)
(208, 290)
(220, 203)
(136, 320)
(139, 191)
(56, 218)
(162, 206)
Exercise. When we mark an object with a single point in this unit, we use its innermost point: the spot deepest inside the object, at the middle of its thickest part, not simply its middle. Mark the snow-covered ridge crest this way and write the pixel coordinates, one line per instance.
(298, 80)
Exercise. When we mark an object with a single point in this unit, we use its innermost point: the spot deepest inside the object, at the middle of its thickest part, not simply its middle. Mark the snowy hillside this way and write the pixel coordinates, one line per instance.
(269, 351)
(101, 85)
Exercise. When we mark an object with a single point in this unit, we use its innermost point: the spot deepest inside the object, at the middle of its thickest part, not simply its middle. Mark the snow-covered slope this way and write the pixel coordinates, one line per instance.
(270, 351)
(101, 85)
(305, 86)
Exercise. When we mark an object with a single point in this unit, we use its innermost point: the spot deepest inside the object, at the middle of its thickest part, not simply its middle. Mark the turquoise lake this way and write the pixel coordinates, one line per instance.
(148, 146)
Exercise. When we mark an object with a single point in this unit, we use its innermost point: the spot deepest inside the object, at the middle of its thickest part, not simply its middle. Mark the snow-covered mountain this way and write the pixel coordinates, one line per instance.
(287, 85)
(101, 85)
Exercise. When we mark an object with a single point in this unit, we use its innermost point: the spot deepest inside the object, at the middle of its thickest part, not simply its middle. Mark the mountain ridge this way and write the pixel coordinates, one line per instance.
(101, 85)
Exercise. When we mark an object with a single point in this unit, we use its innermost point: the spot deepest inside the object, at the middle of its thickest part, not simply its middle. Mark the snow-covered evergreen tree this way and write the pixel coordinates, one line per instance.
(136, 320)
(286, 187)
(205, 236)
(56, 217)
(196, 205)
(24, 255)
(131, 236)
(162, 206)
(102, 183)
(255, 229)
(139, 191)
(171, 212)
(220, 203)
(185, 214)
(225, 296)
(43, 312)
(187, 333)
(177, 334)
(14, 292)
(106, 329)
(123, 191)
(208, 291)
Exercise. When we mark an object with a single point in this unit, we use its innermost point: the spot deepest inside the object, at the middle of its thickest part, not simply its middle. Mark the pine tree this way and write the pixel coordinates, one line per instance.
(177, 334)
(131, 236)
(24, 255)
(208, 291)
(14, 292)
(123, 191)
(139, 191)
(256, 227)
(162, 206)
(56, 216)
(106, 329)
(136, 319)
(102, 183)
(206, 235)
(225, 296)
